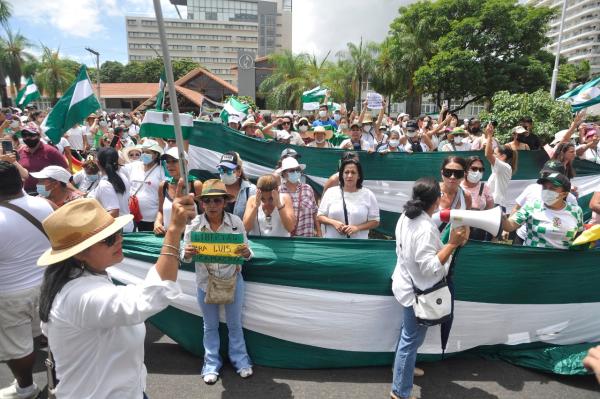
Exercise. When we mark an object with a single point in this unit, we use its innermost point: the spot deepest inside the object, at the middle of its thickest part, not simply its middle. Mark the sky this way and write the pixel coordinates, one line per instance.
(71, 25)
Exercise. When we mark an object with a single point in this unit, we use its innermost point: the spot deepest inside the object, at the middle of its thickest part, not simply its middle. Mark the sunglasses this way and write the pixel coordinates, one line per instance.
(294, 170)
(112, 239)
(171, 141)
(286, 123)
(458, 173)
(475, 169)
(208, 200)
(224, 171)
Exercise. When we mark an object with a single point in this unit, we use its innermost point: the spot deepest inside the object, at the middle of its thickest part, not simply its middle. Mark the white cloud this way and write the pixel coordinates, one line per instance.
(320, 26)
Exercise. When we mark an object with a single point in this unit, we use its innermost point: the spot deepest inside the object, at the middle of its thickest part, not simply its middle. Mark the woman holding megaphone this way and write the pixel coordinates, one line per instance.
(423, 263)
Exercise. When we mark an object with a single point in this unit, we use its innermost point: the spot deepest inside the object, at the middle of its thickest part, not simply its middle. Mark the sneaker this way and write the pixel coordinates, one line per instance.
(210, 378)
(394, 396)
(418, 372)
(246, 372)
(14, 392)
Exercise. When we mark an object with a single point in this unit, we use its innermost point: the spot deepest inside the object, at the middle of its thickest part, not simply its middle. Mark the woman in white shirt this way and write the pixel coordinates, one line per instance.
(349, 210)
(112, 190)
(269, 213)
(96, 329)
(503, 161)
(423, 261)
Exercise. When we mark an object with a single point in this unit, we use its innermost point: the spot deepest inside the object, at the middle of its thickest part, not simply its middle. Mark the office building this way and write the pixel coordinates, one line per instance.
(214, 32)
(581, 31)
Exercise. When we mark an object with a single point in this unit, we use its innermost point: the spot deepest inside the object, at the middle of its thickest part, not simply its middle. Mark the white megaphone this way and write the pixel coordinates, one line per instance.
(490, 220)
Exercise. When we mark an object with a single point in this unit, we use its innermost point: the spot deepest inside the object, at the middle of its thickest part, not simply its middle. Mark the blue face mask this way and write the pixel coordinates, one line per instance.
(146, 158)
(92, 178)
(293, 177)
(41, 190)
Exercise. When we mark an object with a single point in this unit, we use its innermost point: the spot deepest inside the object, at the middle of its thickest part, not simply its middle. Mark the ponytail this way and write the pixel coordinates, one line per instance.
(108, 160)
(425, 193)
(414, 208)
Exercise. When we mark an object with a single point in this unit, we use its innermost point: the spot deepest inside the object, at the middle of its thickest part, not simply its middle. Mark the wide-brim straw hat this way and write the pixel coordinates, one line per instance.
(249, 122)
(215, 188)
(368, 118)
(77, 226)
(321, 129)
(289, 163)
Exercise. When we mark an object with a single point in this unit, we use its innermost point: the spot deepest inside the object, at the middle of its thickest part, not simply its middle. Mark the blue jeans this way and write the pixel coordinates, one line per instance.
(237, 346)
(412, 336)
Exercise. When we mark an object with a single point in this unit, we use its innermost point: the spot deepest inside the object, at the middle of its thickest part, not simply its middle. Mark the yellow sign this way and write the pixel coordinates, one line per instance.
(211, 249)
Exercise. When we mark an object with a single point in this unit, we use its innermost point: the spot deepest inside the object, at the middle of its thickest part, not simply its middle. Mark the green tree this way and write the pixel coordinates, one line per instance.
(549, 116)
(14, 55)
(183, 66)
(111, 72)
(54, 74)
(283, 88)
(134, 73)
(571, 75)
(362, 58)
(5, 14)
(386, 81)
(339, 79)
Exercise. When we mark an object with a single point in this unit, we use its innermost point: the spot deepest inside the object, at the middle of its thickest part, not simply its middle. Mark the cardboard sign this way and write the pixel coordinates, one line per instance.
(374, 100)
(217, 247)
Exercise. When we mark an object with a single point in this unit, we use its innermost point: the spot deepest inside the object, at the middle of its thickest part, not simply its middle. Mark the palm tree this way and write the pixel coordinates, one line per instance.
(53, 75)
(5, 13)
(385, 78)
(283, 88)
(14, 55)
(338, 78)
(362, 57)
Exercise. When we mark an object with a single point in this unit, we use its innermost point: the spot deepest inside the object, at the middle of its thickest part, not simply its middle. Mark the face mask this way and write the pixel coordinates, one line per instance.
(127, 122)
(228, 179)
(293, 177)
(474, 177)
(31, 143)
(394, 143)
(343, 126)
(366, 128)
(550, 197)
(404, 124)
(337, 117)
(14, 124)
(412, 134)
(458, 140)
(92, 178)
(146, 159)
(303, 128)
(322, 114)
(41, 190)
(319, 141)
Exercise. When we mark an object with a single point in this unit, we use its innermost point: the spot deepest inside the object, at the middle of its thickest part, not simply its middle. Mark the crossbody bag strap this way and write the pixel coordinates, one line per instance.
(345, 210)
(30, 218)
(144, 181)
(298, 213)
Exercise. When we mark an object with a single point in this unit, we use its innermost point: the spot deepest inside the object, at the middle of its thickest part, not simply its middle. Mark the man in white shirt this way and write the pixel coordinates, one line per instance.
(457, 141)
(75, 136)
(21, 280)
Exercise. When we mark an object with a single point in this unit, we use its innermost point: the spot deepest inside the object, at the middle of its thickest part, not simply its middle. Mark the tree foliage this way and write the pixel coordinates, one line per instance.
(54, 74)
(143, 71)
(549, 116)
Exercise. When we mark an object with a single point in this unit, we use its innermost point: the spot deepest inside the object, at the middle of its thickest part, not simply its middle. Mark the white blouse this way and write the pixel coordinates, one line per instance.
(148, 193)
(96, 333)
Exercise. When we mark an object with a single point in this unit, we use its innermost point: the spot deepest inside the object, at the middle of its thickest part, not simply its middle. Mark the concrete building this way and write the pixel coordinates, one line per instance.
(214, 32)
(581, 31)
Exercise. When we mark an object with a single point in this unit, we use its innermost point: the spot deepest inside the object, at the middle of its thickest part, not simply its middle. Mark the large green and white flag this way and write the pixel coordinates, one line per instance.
(78, 102)
(583, 96)
(160, 124)
(312, 98)
(234, 107)
(160, 96)
(27, 94)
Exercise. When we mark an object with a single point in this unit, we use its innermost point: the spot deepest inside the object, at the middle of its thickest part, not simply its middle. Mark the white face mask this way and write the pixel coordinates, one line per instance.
(293, 177)
(404, 123)
(322, 114)
(458, 140)
(103, 123)
(412, 134)
(550, 197)
(337, 117)
(474, 177)
(366, 128)
(303, 128)
(127, 122)
(14, 124)
(319, 141)
(228, 179)
(343, 126)
(394, 143)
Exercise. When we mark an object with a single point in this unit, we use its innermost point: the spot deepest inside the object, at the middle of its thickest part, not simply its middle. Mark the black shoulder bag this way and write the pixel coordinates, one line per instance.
(345, 210)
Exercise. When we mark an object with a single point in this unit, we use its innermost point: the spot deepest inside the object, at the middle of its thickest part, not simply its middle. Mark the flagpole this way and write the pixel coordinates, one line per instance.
(557, 58)
(172, 92)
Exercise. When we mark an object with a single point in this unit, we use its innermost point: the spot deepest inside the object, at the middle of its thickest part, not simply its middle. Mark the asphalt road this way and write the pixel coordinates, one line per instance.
(175, 374)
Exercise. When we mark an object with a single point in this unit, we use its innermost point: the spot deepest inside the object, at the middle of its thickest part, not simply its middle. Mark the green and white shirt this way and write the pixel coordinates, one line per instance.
(549, 228)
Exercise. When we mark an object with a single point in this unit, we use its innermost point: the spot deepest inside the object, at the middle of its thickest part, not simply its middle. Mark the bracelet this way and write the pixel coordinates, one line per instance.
(281, 207)
(171, 246)
(170, 254)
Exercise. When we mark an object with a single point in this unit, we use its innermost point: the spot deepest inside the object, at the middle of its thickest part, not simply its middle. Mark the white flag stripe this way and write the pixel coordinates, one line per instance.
(83, 90)
(159, 118)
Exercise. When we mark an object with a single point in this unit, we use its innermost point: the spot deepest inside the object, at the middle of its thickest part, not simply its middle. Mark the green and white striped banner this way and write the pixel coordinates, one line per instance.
(390, 177)
(160, 124)
(316, 303)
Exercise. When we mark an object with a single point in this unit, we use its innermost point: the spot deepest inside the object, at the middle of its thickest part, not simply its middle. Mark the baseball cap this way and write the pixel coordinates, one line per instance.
(519, 130)
(557, 180)
(173, 152)
(230, 160)
(553, 166)
(53, 172)
(411, 126)
(289, 152)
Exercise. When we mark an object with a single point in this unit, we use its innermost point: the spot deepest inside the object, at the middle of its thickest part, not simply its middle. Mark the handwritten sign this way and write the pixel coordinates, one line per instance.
(217, 247)
(374, 100)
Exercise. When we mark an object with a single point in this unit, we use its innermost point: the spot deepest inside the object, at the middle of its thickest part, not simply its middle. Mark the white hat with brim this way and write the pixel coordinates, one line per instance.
(53, 172)
(174, 153)
(283, 135)
(77, 226)
(249, 122)
(289, 163)
(152, 146)
(321, 129)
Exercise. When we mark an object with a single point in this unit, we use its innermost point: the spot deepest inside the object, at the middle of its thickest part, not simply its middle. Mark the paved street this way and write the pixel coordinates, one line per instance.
(174, 374)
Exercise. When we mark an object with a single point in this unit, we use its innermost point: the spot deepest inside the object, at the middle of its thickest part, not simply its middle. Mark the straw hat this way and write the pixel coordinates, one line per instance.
(215, 188)
(249, 122)
(289, 163)
(321, 129)
(127, 150)
(368, 118)
(77, 226)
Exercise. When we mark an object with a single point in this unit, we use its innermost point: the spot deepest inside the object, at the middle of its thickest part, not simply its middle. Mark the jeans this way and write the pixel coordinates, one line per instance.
(412, 336)
(237, 346)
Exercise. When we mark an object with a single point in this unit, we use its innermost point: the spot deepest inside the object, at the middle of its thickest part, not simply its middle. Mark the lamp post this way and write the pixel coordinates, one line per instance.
(97, 54)
(557, 58)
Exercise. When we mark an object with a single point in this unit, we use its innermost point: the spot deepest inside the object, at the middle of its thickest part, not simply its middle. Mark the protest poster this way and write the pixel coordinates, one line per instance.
(374, 100)
(217, 247)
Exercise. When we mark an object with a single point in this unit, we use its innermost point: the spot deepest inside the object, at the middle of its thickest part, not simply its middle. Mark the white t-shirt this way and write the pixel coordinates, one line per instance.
(592, 154)
(449, 147)
(62, 144)
(361, 206)
(75, 137)
(22, 244)
(533, 192)
(364, 145)
(134, 130)
(148, 193)
(499, 180)
(110, 200)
